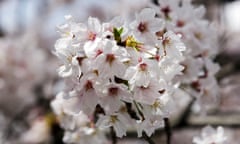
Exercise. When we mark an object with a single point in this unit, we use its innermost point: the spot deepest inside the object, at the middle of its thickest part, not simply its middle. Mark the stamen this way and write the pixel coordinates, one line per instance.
(110, 58)
(88, 85)
(91, 36)
(113, 91)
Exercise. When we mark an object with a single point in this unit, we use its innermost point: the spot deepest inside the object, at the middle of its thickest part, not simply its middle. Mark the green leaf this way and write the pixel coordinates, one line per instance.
(117, 34)
(120, 30)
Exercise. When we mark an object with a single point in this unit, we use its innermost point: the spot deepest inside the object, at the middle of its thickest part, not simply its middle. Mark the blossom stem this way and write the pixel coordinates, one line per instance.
(139, 111)
(147, 52)
(167, 130)
(133, 115)
(131, 112)
(147, 138)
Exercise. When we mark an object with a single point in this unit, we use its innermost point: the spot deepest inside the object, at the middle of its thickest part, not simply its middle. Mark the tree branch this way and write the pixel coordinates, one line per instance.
(168, 131)
(147, 138)
(113, 135)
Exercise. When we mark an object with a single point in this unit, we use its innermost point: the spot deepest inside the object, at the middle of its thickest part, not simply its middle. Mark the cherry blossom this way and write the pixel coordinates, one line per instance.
(210, 135)
(126, 73)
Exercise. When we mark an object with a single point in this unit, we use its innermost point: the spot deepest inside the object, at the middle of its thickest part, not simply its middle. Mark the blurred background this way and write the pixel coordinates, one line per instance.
(29, 81)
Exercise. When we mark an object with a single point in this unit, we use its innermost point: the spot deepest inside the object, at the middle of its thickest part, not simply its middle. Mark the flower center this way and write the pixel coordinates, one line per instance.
(142, 27)
(180, 23)
(113, 91)
(91, 36)
(98, 52)
(113, 119)
(156, 104)
(166, 10)
(88, 85)
(132, 42)
(196, 86)
(143, 66)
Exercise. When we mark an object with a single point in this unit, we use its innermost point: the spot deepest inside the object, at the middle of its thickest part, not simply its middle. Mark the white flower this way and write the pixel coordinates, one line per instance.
(38, 133)
(159, 108)
(169, 69)
(141, 74)
(110, 61)
(166, 7)
(89, 32)
(149, 125)
(87, 95)
(172, 46)
(85, 135)
(146, 25)
(68, 54)
(111, 97)
(69, 29)
(210, 135)
(148, 94)
(192, 67)
(84, 131)
(138, 75)
(117, 121)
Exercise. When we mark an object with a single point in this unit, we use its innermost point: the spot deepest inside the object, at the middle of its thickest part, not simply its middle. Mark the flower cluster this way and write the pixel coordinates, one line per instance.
(22, 68)
(211, 136)
(24, 89)
(118, 74)
(125, 74)
(200, 38)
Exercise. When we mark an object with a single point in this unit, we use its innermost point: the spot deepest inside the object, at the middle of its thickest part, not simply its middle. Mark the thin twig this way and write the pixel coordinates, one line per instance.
(147, 138)
(186, 113)
(133, 115)
(139, 111)
(167, 130)
(113, 135)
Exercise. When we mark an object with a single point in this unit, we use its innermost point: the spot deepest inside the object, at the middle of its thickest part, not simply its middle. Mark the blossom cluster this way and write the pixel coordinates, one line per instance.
(200, 38)
(210, 135)
(119, 74)
(24, 85)
(125, 73)
(22, 68)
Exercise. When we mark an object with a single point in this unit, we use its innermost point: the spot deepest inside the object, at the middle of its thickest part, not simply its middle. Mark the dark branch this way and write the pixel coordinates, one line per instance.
(113, 136)
(167, 130)
(147, 138)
